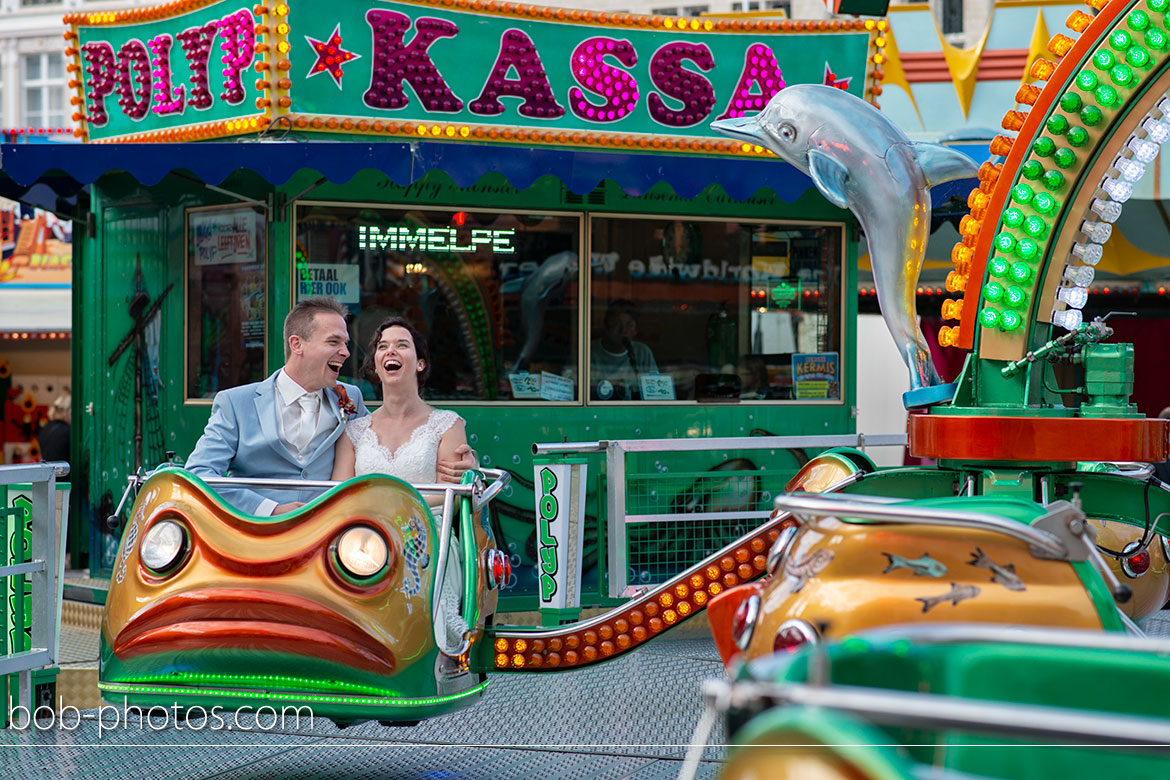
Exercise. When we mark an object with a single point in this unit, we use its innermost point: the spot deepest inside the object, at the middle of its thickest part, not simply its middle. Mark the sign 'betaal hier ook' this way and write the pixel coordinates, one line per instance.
(446, 69)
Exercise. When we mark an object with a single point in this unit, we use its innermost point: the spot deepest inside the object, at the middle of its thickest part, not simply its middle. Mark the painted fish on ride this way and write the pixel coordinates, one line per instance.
(332, 606)
(862, 161)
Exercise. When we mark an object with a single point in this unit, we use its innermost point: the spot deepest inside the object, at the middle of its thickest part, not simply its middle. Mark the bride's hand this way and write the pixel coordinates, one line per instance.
(452, 470)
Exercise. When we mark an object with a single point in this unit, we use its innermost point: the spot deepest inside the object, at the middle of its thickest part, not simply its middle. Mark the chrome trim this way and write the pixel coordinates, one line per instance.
(923, 710)
(752, 603)
(724, 442)
(1129, 551)
(804, 628)
(481, 495)
(779, 548)
(895, 511)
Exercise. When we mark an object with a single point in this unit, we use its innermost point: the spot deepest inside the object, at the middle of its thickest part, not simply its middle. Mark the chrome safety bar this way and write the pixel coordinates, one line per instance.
(922, 710)
(851, 510)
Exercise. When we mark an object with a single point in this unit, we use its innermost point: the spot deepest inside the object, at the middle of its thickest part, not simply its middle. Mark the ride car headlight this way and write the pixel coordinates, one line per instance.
(162, 545)
(362, 552)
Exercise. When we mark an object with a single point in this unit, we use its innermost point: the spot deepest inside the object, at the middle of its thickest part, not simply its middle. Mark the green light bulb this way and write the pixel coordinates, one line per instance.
(1121, 74)
(1021, 272)
(1031, 170)
(1077, 136)
(1120, 40)
(1057, 124)
(1005, 242)
(1087, 80)
(1022, 193)
(989, 317)
(1064, 158)
(1015, 297)
(1035, 226)
(1104, 59)
(1137, 20)
(1137, 57)
(1158, 6)
(1053, 180)
(1071, 101)
(1044, 147)
(1105, 95)
(1013, 217)
(1044, 203)
(993, 291)
(1010, 320)
(1026, 249)
(998, 267)
(1155, 38)
(1091, 115)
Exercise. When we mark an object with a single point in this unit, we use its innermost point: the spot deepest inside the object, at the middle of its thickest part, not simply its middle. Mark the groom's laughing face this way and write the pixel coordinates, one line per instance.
(320, 357)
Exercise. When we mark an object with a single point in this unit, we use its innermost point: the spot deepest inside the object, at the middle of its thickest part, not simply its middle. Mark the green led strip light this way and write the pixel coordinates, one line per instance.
(256, 679)
(1137, 46)
(368, 701)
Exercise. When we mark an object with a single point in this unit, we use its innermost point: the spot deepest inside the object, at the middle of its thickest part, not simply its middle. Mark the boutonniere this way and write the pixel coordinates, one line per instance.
(348, 407)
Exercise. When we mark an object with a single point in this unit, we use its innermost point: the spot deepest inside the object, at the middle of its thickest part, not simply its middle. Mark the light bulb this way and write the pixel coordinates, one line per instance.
(1130, 170)
(1107, 210)
(1118, 190)
(1069, 319)
(1089, 254)
(1074, 297)
(1164, 106)
(1159, 131)
(1098, 232)
(1144, 150)
(1079, 275)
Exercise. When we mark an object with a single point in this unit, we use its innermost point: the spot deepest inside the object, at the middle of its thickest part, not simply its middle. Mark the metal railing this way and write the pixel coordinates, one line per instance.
(619, 520)
(47, 556)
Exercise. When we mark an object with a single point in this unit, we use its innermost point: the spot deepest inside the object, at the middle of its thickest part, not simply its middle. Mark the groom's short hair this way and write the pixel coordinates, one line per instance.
(301, 321)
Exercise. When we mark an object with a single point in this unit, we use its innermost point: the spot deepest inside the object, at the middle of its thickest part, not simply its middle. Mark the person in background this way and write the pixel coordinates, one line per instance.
(617, 360)
(54, 437)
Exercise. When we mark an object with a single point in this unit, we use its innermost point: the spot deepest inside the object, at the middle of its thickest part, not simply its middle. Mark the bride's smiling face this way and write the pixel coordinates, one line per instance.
(395, 358)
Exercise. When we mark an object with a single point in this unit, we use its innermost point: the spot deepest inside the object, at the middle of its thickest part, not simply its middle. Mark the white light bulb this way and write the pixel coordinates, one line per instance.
(1164, 106)
(1098, 232)
(1107, 210)
(1074, 297)
(1118, 190)
(1130, 170)
(1159, 131)
(1079, 275)
(1143, 149)
(1069, 319)
(1089, 254)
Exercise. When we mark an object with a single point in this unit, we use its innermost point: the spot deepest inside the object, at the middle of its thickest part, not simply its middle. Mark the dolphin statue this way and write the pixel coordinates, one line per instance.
(862, 161)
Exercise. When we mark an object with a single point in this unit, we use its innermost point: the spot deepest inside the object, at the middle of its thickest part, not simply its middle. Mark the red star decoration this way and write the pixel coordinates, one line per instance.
(330, 56)
(831, 79)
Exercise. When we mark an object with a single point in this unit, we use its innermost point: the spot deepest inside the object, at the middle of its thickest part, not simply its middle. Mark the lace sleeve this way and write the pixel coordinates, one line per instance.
(442, 420)
(355, 428)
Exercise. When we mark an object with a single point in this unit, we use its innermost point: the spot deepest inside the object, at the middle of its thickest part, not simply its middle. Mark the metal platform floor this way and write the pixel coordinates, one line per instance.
(632, 717)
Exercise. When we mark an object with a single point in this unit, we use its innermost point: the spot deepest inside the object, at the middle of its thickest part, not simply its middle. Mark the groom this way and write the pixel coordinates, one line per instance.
(285, 426)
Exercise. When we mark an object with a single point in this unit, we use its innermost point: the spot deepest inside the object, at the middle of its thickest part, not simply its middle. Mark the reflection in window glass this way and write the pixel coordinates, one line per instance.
(226, 298)
(495, 294)
(706, 310)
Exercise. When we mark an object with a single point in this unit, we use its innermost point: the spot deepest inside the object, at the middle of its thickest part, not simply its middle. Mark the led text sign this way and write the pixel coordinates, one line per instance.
(426, 69)
(435, 239)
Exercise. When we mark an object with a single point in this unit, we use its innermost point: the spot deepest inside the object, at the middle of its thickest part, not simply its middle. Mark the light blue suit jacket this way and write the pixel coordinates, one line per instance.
(242, 440)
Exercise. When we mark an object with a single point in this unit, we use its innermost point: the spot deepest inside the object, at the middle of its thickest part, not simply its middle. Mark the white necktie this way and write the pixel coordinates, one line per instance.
(308, 424)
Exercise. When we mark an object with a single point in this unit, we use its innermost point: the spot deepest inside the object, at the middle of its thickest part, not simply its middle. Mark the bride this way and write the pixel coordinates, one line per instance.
(408, 439)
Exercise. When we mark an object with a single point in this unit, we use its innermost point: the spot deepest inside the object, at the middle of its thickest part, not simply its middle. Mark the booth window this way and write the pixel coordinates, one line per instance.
(226, 298)
(494, 293)
(706, 310)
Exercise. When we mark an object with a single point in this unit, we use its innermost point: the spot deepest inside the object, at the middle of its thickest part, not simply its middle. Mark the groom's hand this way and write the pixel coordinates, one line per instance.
(452, 470)
(292, 506)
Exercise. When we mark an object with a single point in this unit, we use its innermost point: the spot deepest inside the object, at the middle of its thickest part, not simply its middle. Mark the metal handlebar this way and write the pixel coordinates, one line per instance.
(890, 512)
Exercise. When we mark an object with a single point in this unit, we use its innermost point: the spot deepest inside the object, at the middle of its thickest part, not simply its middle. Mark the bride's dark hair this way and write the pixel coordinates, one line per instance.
(420, 349)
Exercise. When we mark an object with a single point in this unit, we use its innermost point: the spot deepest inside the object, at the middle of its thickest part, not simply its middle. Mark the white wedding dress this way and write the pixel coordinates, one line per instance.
(416, 462)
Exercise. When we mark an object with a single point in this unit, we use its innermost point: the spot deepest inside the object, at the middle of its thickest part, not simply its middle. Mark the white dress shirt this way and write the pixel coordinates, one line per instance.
(292, 416)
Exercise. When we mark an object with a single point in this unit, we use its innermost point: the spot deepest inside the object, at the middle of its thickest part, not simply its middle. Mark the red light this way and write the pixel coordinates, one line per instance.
(1135, 565)
(788, 639)
(459, 218)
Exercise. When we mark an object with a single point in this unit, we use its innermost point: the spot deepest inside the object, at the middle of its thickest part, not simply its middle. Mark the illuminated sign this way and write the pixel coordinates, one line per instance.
(434, 239)
(500, 73)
